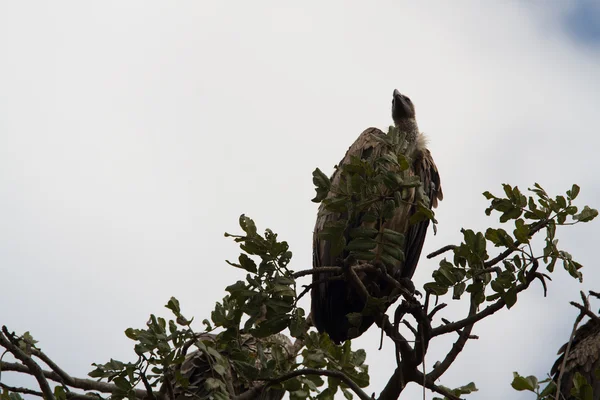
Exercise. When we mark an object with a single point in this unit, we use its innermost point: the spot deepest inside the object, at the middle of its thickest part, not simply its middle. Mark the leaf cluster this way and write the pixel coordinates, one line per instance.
(466, 389)
(245, 345)
(471, 270)
(546, 389)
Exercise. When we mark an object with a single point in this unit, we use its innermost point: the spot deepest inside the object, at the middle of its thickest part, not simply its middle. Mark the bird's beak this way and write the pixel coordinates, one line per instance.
(399, 100)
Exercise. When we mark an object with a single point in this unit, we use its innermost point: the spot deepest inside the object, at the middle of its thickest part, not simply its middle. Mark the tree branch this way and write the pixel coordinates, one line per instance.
(7, 341)
(78, 383)
(457, 347)
(70, 395)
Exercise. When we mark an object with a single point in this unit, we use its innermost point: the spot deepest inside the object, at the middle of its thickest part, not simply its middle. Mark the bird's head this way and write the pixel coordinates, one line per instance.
(402, 108)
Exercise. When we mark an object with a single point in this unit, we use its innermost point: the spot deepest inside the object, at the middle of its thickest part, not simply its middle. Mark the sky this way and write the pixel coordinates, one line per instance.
(133, 135)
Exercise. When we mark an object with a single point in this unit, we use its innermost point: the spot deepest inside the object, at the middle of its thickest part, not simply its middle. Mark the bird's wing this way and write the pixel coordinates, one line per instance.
(584, 357)
(332, 300)
(426, 169)
(363, 147)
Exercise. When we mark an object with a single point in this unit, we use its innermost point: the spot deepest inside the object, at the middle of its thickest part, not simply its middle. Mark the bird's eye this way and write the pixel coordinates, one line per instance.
(407, 98)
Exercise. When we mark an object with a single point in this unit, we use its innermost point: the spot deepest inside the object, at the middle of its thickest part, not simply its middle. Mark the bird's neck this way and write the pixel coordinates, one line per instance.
(410, 128)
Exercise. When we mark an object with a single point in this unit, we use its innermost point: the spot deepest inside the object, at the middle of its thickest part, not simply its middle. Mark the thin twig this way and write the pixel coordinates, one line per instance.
(307, 288)
(585, 311)
(21, 390)
(316, 271)
(441, 251)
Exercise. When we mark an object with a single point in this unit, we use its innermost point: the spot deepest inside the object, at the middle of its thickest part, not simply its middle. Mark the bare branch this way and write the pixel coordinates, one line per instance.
(395, 385)
(9, 343)
(21, 390)
(457, 347)
(436, 309)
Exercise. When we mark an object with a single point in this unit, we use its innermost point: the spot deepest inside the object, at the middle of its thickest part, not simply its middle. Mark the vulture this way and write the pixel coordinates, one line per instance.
(333, 300)
(583, 357)
(196, 369)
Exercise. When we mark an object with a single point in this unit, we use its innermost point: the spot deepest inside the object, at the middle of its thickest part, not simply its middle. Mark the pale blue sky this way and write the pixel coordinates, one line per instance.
(133, 134)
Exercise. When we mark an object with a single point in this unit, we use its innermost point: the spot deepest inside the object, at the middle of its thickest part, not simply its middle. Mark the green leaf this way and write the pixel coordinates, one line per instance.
(459, 290)
(512, 213)
(499, 237)
(271, 326)
(361, 244)
(394, 251)
(173, 305)
(212, 384)
(247, 263)
(393, 237)
(363, 233)
(247, 224)
(549, 389)
(347, 393)
(122, 383)
(510, 297)
(322, 184)
(572, 194)
(521, 383)
(507, 190)
(586, 215)
(488, 195)
(435, 288)
(521, 231)
(60, 393)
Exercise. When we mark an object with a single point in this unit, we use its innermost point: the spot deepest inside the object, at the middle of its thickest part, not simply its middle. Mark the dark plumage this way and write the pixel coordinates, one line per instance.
(332, 300)
(584, 357)
(196, 370)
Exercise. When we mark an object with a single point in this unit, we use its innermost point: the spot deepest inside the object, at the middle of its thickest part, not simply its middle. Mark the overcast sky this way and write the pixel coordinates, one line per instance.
(134, 133)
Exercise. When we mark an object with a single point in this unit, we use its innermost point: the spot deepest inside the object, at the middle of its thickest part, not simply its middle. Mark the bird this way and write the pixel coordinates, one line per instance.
(196, 368)
(583, 357)
(332, 300)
